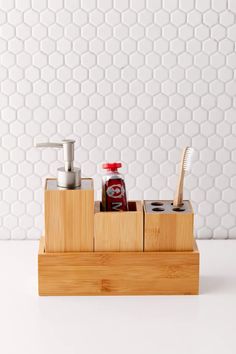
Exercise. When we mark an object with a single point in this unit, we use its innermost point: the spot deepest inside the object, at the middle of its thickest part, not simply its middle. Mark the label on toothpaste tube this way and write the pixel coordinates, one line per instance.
(115, 195)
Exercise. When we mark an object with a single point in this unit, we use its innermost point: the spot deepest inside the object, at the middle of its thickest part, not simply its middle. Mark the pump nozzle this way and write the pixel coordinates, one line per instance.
(68, 177)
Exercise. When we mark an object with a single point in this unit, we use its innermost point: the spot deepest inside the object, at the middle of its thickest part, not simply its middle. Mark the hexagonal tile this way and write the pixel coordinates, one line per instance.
(134, 80)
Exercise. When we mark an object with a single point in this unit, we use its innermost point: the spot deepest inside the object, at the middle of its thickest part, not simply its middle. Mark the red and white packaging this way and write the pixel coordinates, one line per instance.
(113, 189)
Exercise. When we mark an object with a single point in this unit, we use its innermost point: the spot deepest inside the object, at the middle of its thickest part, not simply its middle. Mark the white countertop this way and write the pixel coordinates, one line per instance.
(30, 324)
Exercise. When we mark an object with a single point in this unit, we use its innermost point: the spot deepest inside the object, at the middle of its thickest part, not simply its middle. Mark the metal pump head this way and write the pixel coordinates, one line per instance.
(68, 177)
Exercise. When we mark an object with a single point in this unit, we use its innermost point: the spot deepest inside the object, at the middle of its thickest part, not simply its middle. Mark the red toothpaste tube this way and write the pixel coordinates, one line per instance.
(113, 189)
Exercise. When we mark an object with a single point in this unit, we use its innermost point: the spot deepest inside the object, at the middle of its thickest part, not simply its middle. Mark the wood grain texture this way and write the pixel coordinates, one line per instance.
(118, 273)
(119, 231)
(168, 232)
(69, 219)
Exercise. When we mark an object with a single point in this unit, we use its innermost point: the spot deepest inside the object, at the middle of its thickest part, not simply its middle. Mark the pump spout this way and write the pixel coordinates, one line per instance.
(68, 176)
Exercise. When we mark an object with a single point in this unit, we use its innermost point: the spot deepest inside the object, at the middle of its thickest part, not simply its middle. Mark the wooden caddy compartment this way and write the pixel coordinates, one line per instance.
(119, 231)
(167, 228)
(118, 273)
(118, 259)
(69, 217)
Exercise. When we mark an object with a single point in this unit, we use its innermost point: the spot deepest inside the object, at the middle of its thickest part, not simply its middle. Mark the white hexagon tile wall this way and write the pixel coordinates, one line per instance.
(132, 80)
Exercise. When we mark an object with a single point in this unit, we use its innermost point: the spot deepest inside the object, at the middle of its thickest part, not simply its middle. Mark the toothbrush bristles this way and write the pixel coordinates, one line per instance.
(188, 158)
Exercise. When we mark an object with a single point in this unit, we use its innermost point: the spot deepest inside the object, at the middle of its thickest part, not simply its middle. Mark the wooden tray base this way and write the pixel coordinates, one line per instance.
(118, 273)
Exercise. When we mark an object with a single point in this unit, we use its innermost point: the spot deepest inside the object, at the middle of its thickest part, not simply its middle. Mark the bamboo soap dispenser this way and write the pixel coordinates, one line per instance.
(68, 206)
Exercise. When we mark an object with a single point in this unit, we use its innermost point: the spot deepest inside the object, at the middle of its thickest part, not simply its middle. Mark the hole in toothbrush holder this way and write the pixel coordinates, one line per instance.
(158, 209)
(157, 204)
(178, 209)
(179, 204)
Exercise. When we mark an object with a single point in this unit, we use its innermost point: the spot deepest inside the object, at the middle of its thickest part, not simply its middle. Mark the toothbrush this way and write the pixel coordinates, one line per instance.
(185, 165)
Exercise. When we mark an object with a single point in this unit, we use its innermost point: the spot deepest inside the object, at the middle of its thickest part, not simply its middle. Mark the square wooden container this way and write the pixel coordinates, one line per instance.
(167, 228)
(119, 231)
(118, 273)
(69, 217)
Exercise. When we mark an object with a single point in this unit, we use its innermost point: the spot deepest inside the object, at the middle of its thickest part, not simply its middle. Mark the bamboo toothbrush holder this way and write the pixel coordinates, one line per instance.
(119, 231)
(167, 228)
(69, 217)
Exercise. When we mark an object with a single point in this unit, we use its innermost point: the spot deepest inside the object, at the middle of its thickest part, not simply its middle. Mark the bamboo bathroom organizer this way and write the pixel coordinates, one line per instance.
(149, 250)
